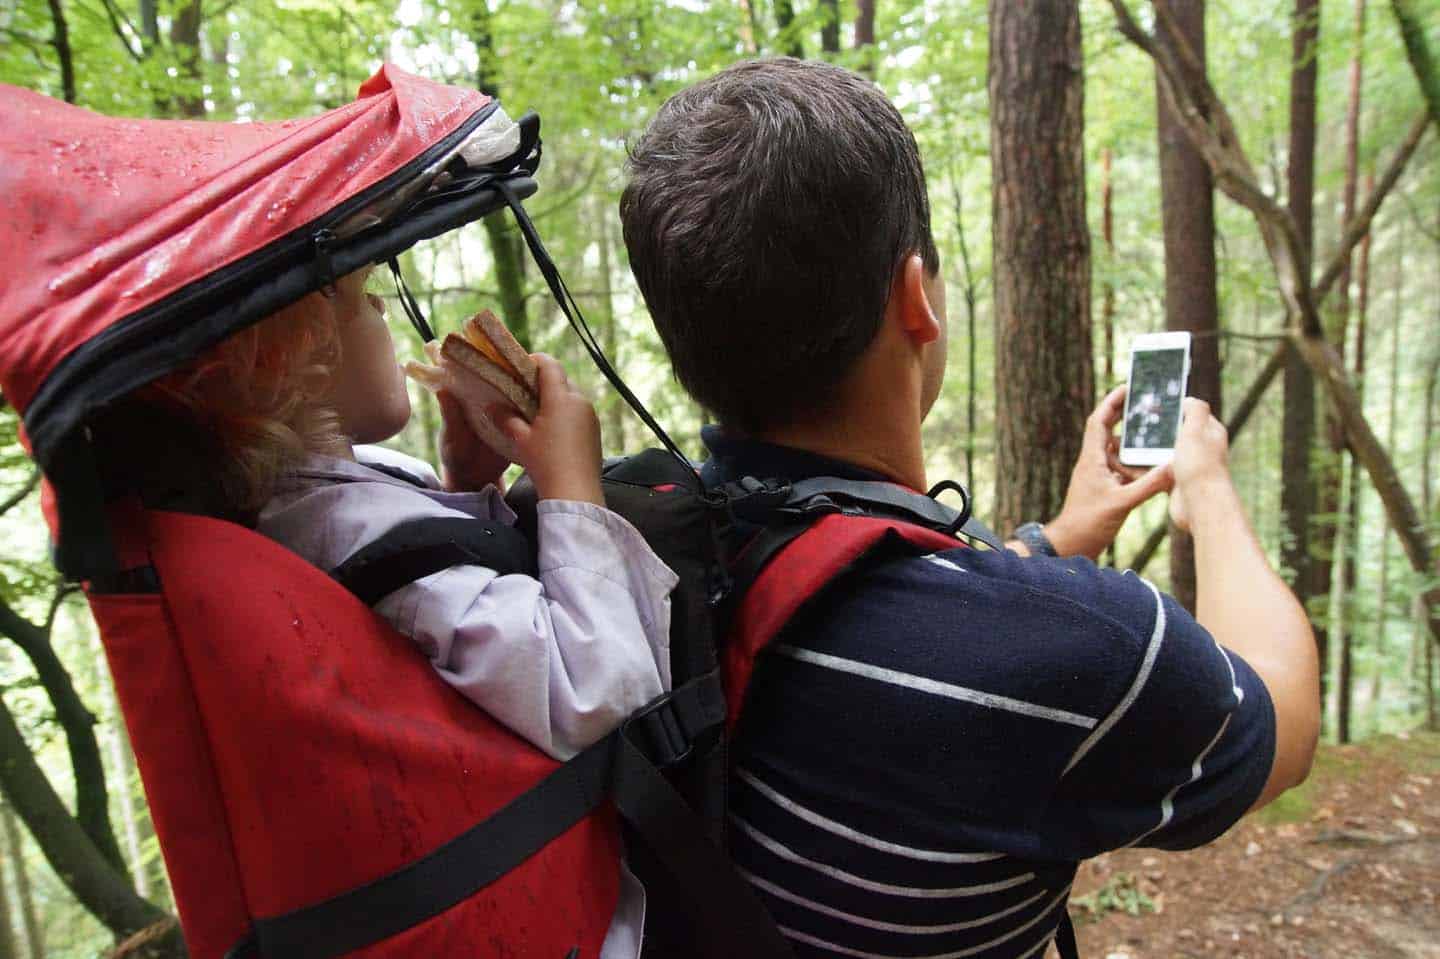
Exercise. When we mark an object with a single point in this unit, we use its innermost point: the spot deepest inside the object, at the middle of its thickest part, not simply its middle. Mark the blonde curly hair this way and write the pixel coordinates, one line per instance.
(260, 397)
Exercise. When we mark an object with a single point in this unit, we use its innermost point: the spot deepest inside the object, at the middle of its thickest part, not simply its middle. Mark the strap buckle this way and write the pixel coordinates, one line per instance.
(658, 732)
(670, 728)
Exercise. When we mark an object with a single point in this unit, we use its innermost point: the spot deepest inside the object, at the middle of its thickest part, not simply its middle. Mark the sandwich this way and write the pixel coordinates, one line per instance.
(481, 367)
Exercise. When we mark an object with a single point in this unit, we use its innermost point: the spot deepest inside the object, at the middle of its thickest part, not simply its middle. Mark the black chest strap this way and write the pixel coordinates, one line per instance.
(422, 547)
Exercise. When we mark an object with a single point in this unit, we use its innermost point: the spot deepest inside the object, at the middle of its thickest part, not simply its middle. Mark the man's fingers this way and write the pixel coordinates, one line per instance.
(1102, 420)
(1156, 480)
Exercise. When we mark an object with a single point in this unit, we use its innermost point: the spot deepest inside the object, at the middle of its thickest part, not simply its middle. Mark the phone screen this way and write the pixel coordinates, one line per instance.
(1152, 409)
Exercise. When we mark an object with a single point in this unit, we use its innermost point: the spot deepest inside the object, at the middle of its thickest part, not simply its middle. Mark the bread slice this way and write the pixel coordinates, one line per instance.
(486, 333)
(482, 368)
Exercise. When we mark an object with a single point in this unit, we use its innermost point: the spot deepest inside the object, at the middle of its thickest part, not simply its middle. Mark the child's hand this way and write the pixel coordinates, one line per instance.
(561, 447)
(466, 461)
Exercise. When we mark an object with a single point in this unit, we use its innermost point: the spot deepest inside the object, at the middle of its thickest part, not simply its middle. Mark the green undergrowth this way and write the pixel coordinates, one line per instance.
(1417, 752)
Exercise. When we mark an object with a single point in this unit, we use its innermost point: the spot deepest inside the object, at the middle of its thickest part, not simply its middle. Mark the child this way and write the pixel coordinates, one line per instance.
(561, 659)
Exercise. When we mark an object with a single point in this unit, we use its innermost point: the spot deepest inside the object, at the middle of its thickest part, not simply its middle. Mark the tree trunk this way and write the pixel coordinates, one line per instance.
(829, 27)
(865, 35)
(185, 40)
(749, 28)
(612, 407)
(506, 246)
(1343, 620)
(789, 36)
(24, 897)
(1188, 211)
(1107, 295)
(9, 942)
(1297, 492)
(1044, 366)
(60, 40)
(1347, 614)
(1107, 289)
(1432, 379)
(971, 387)
(1383, 594)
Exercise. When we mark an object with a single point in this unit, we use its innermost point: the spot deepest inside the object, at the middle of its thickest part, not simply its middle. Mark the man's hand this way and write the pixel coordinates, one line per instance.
(466, 463)
(1201, 465)
(1102, 492)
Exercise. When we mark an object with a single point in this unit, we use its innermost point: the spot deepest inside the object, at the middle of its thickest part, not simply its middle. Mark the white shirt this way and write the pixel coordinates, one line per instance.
(561, 659)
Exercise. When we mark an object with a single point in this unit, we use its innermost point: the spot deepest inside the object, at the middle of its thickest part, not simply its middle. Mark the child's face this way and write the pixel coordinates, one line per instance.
(369, 390)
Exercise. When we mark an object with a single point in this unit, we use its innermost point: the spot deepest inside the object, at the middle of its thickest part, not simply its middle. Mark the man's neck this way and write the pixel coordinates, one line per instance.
(868, 441)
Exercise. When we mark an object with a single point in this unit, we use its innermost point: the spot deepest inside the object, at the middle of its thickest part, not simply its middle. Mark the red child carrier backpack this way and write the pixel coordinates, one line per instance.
(316, 789)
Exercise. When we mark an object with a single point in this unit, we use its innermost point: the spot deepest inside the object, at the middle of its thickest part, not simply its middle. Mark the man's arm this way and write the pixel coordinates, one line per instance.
(1240, 598)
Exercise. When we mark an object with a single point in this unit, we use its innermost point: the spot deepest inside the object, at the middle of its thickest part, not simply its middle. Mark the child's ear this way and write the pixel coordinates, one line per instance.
(911, 300)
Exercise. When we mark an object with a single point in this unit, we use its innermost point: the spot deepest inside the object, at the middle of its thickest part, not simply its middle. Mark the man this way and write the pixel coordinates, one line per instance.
(925, 757)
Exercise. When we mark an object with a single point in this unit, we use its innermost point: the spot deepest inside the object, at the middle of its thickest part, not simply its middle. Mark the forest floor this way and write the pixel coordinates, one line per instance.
(1345, 867)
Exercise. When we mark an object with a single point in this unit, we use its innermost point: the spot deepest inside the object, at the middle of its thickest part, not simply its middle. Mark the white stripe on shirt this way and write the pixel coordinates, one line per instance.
(1152, 652)
(933, 686)
(819, 943)
(844, 831)
(785, 894)
(870, 885)
(1167, 805)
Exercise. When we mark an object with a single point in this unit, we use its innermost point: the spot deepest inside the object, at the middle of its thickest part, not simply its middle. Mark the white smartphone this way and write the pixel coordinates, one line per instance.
(1159, 372)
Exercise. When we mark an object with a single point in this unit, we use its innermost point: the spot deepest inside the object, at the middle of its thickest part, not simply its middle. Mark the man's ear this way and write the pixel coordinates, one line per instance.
(914, 313)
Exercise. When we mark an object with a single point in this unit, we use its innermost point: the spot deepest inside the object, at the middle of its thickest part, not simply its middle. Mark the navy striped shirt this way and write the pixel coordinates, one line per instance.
(927, 753)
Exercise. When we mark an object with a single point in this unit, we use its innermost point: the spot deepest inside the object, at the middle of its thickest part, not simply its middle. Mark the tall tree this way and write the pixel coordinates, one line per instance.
(506, 246)
(789, 36)
(25, 899)
(1188, 211)
(1341, 622)
(1382, 592)
(829, 27)
(1297, 492)
(24, 896)
(865, 35)
(1044, 364)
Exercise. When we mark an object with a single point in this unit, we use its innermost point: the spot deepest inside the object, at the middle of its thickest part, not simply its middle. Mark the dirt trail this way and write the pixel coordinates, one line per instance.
(1346, 867)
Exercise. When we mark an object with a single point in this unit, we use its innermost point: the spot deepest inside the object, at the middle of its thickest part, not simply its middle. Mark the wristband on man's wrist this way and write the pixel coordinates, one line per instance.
(1035, 540)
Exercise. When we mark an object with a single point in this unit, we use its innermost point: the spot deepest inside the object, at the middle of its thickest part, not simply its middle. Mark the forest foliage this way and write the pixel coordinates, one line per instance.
(595, 71)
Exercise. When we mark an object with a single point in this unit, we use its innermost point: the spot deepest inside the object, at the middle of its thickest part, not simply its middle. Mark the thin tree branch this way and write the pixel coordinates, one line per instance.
(61, 42)
(92, 800)
(99, 886)
(19, 495)
(1360, 225)
(117, 18)
(1418, 50)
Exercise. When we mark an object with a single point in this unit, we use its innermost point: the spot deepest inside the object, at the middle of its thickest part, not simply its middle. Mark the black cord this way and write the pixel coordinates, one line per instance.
(572, 312)
(409, 304)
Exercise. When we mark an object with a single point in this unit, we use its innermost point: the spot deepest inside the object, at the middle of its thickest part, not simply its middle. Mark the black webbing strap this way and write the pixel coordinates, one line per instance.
(762, 502)
(452, 873)
(624, 767)
(1065, 937)
(418, 548)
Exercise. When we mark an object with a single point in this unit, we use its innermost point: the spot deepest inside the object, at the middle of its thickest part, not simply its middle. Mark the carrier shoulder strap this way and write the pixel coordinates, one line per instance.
(624, 767)
(422, 547)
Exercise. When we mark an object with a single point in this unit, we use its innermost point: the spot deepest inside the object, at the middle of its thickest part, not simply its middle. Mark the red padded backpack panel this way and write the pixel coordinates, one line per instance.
(825, 551)
(293, 746)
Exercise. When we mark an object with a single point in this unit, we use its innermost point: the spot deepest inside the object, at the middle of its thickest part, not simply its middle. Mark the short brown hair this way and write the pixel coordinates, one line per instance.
(766, 212)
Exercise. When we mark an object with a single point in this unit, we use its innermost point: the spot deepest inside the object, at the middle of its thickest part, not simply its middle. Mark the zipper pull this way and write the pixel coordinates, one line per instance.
(322, 239)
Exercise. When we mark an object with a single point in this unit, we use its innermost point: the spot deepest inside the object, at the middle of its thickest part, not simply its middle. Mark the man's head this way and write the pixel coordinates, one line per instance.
(769, 213)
